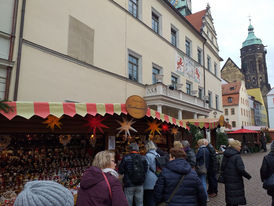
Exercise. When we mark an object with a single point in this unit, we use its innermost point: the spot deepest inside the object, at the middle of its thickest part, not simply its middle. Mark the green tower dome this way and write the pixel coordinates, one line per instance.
(251, 38)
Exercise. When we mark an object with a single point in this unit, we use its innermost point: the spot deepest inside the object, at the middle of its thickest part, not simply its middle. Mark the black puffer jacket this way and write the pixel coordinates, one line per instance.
(212, 159)
(233, 171)
(126, 168)
(267, 169)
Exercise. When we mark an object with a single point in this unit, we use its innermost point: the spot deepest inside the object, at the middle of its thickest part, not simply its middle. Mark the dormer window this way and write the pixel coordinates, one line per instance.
(229, 99)
(231, 88)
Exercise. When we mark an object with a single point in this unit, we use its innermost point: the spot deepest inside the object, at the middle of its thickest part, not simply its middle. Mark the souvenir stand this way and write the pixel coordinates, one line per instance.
(57, 141)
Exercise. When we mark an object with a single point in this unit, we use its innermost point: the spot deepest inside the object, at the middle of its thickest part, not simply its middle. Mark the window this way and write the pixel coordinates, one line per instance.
(3, 81)
(208, 63)
(133, 7)
(226, 111)
(232, 111)
(155, 23)
(173, 37)
(217, 101)
(133, 67)
(155, 71)
(188, 88)
(200, 93)
(209, 99)
(199, 53)
(188, 47)
(231, 88)
(174, 81)
(215, 69)
(229, 99)
(233, 124)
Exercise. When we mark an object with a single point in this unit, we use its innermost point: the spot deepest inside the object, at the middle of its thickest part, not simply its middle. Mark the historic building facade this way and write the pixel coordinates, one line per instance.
(270, 103)
(105, 51)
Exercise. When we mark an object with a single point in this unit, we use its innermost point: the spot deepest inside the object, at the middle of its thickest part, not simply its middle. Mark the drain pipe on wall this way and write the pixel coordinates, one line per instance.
(12, 39)
(19, 51)
(204, 71)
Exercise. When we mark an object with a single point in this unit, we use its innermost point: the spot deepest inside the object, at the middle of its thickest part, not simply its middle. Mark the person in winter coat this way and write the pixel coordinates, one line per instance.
(233, 173)
(202, 157)
(134, 168)
(190, 191)
(267, 169)
(212, 170)
(263, 141)
(151, 176)
(100, 184)
(190, 154)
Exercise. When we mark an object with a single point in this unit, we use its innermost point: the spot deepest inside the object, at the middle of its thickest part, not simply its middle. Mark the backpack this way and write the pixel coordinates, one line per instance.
(161, 162)
(138, 174)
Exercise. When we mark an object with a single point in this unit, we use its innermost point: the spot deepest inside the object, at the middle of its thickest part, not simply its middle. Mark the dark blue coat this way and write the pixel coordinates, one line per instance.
(190, 192)
(202, 154)
(267, 169)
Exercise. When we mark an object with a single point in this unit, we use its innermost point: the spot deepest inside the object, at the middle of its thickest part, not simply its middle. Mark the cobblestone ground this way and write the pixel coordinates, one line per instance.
(255, 194)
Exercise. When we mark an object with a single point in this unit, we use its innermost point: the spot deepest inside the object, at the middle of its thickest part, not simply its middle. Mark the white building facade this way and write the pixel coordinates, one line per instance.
(105, 51)
(270, 104)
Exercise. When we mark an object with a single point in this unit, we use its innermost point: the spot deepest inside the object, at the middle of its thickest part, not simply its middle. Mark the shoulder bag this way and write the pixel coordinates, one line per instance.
(201, 169)
(109, 189)
(173, 193)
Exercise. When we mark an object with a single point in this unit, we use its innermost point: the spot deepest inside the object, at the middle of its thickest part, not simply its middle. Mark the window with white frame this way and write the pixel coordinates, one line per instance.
(133, 7)
(133, 67)
(226, 111)
(155, 22)
(209, 99)
(174, 36)
(217, 101)
(174, 81)
(188, 47)
(209, 63)
(3, 81)
(215, 69)
(155, 72)
(199, 55)
(200, 90)
(188, 88)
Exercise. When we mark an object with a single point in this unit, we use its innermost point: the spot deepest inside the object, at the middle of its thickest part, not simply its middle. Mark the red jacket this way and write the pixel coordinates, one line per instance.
(94, 190)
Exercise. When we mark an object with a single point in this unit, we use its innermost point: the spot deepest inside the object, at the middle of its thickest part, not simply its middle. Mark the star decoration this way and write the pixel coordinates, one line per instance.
(64, 139)
(153, 127)
(165, 127)
(96, 123)
(126, 126)
(174, 130)
(53, 121)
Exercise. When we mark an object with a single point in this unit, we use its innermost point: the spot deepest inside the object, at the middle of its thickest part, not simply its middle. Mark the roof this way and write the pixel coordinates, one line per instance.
(256, 92)
(251, 38)
(271, 92)
(235, 100)
(196, 19)
(230, 60)
(58, 109)
(227, 88)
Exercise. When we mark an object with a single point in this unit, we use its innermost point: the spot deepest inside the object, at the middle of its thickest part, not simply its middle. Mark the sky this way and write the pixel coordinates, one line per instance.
(231, 21)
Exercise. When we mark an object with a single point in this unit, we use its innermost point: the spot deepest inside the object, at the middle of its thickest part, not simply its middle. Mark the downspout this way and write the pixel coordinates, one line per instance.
(19, 50)
(204, 71)
(12, 39)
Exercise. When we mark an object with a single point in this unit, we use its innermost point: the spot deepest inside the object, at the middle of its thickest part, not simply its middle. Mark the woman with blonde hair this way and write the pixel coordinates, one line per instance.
(177, 145)
(100, 184)
(233, 171)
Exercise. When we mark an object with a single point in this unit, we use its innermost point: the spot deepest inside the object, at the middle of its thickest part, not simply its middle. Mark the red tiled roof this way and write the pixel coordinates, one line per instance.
(196, 19)
(235, 100)
(227, 88)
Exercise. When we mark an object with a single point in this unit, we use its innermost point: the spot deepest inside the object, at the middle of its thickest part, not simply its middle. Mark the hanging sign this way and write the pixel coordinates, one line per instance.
(136, 106)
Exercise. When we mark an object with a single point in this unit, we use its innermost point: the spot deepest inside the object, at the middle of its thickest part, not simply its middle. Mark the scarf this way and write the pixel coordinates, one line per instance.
(111, 171)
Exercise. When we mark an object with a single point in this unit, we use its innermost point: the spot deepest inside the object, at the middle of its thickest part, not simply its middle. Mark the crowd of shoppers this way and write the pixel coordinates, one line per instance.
(181, 182)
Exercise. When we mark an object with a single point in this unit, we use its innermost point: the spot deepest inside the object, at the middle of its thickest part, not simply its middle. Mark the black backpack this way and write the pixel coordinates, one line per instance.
(138, 174)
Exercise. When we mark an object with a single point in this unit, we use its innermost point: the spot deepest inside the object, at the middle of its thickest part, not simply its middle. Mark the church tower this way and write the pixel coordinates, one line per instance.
(183, 6)
(254, 64)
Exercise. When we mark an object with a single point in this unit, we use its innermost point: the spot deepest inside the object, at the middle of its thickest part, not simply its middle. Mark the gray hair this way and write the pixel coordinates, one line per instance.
(134, 147)
(185, 144)
(150, 146)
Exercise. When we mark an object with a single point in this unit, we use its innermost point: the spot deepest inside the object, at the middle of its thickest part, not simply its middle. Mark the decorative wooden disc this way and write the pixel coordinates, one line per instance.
(136, 106)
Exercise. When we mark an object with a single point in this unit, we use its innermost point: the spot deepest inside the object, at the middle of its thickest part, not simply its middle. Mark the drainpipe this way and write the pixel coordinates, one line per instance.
(19, 50)
(12, 39)
(204, 71)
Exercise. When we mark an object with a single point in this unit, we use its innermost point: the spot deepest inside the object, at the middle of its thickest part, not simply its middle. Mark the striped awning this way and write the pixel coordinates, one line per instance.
(43, 109)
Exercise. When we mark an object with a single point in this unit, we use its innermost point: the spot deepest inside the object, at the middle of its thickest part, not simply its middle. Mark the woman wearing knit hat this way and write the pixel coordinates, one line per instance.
(100, 185)
(233, 173)
(267, 169)
(44, 193)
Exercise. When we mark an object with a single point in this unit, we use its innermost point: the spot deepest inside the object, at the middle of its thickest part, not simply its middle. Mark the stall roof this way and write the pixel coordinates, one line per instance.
(241, 131)
(43, 109)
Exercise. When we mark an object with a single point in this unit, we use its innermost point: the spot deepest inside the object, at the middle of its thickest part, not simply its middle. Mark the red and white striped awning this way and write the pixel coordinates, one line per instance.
(43, 109)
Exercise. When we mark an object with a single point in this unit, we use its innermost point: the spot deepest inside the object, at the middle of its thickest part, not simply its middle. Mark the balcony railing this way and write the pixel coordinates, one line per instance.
(161, 89)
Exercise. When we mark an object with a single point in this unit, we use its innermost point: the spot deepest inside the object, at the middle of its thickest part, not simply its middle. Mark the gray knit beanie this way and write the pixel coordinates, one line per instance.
(272, 146)
(44, 193)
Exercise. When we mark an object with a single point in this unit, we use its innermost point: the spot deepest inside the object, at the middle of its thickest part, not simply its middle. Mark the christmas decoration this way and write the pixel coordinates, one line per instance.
(174, 130)
(53, 121)
(96, 123)
(165, 127)
(153, 127)
(64, 139)
(126, 126)
(92, 140)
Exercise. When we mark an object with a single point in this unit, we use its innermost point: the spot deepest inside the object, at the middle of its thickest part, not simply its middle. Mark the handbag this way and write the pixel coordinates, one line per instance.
(173, 193)
(201, 169)
(269, 183)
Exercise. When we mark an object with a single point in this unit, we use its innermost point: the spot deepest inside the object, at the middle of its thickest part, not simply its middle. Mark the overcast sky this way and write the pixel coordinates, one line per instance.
(231, 21)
